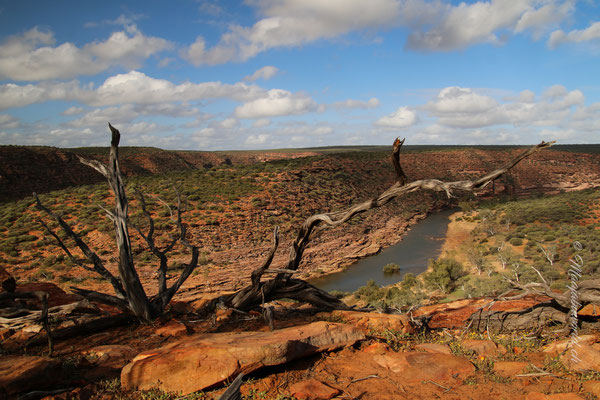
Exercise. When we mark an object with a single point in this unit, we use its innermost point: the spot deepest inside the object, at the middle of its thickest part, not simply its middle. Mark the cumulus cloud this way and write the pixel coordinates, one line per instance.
(132, 87)
(32, 56)
(464, 108)
(8, 122)
(433, 25)
(403, 117)
(351, 103)
(265, 73)
(277, 102)
(73, 111)
(291, 23)
(457, 99)
(229, 123)
(261, 123)
(559, 37)
(257, 139)
(486, 22)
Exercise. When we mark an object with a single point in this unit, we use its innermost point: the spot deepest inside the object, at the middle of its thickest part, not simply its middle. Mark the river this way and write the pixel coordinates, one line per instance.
(422, 242)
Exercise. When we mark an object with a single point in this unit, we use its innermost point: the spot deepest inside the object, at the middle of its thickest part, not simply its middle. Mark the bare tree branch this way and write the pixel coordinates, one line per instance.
(257, 273)
(402, 179)
(339, 217)
(90, 255)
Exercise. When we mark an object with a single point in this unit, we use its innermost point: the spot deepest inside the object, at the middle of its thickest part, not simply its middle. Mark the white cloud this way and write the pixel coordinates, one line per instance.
(403, 117)
(559, 37)
(294, 22)
(264, 73)
(229, 123)
(257, 139)
(542, 19)
(132, 87)
(32, 56)
(277, 102)
(465, 25)
(13, 95)
(322, 130)
(73, 111)
(456, 99)
(433, 25)
(464, 108)
(351, 103)
(8, 122)
(261, 123)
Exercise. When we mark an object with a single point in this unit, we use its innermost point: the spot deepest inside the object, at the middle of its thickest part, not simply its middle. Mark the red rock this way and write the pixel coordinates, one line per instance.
(377, 348)
(7, 281)
(509, 368)
(590, 310)
(19, 374)
(434, 348)
(535, 396)
(56, 296)
(373, 322)
(313, 389)
(197, 362)
(455, 314)
(172, 328)
(564, 396)
(592, 387)
(110, 356)
(224, 315)
(482, 347)
(416, 366)
(181, 307)
(6, 333)
(560, 346)
(582, 357)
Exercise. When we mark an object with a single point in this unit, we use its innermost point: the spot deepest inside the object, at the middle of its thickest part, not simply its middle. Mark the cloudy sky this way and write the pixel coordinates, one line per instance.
(217, 74)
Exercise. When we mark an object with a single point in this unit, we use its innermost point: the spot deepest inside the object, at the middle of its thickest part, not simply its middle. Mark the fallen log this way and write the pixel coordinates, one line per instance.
(284, 286)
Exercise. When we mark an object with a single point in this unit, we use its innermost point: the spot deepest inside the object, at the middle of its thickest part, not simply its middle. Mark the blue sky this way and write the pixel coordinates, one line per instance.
(257, 74)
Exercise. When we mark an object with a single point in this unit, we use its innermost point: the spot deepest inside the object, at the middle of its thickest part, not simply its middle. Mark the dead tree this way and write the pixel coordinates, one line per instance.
(284, 286)
(553, 307)
(130, 295)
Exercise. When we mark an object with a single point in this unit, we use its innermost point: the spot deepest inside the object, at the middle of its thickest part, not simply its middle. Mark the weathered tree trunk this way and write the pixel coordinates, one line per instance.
(130, 295)
(558, 309)
(283, 286)
(42, 317)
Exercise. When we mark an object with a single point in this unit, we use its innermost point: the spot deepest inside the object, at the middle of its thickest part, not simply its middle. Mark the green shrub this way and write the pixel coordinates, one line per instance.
(516, 241)
(391, 268)
(444, 274)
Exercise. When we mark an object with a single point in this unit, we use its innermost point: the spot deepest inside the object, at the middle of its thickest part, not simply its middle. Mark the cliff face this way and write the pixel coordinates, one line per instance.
(27, 169)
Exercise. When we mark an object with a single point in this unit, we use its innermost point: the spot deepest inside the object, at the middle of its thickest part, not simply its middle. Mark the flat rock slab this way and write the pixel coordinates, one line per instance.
(373, 323)
(582, 357)
(19, 374)
(313, 389)
(434, 348)
(200, 362)
(416, 366)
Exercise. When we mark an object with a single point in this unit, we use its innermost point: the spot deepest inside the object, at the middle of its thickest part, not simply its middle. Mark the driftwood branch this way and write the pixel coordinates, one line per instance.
(130, 294)
(400, 175)
(43, 316)
(283, 286)
(553, 307)
(98, 265)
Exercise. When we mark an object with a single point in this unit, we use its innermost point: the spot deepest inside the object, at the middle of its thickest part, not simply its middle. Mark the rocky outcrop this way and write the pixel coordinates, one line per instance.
(372, 323)
(200, 362)
(7, 281)
(21, 374)
(313, 389)
(416, 366)
(456, 314)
